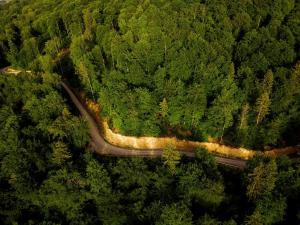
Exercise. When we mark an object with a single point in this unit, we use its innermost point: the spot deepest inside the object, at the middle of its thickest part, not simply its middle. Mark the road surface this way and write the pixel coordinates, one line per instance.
(100, 146)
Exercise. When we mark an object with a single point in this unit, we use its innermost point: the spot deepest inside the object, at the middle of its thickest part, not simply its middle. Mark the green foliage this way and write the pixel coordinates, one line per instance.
(60, 153)
(47, 177)
(262, 180)
(270, 205)
(171, 158)
(268, 211)
(263, 102)
(226, 69)
(163, 108)
(222, 68)
(175, 214)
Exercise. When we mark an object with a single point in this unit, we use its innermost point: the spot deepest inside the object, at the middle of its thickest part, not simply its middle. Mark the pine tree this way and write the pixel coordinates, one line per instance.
(164, 108)
(262, 105)
(264, 101)
(60, 153)
(171, 158)
(244, 116)
(90, 24)
(83, 71)
(262, 180)
(268, 82)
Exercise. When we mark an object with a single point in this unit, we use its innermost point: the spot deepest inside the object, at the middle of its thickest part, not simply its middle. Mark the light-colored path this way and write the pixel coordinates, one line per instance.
(100, 146)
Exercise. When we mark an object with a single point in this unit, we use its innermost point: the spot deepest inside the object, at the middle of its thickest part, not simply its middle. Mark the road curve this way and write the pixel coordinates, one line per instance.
(100, 146)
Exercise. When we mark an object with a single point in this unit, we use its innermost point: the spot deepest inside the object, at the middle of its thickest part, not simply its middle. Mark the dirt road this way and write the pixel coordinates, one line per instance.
(104, 148)
(100, 146)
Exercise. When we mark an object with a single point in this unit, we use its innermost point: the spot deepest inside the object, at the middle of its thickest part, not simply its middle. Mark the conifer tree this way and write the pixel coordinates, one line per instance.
(264, 101)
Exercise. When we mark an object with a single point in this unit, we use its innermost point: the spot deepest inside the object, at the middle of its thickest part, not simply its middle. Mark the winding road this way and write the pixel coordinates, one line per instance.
(100, 146)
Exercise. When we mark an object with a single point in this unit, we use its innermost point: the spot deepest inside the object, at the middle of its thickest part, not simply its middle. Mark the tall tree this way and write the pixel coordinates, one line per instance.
(171, 158)
(264, 101)
(262, 180)
(175, 214)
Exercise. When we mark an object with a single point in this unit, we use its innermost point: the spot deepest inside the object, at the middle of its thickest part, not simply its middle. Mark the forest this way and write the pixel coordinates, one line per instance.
(227, 70)
(48, 175)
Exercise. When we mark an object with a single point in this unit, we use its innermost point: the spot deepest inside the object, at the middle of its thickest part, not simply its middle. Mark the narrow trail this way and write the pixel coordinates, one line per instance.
(102, 147)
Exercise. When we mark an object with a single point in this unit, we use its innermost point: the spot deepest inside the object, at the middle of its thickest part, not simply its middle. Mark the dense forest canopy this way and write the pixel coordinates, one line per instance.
(198, 69)
(223, 69)
(47, 177)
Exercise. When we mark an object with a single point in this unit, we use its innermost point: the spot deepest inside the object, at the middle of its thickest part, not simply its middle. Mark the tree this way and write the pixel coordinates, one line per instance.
(268, 210)
(208, 220)
(60, 153)
(29, 52)
(46, 63)
(53, 46)
(244, 117)
(78, 130)
(263, 102)
(262, 180)
(90, 25)
(163, 108)
(195, 106)
(291, 88)
(198, 185)
(254, 219)
(83, 71)
(224, 106)
(175, 214)
(134, 178)
(101, 193)
(63, 191)
(171, 158)
(262, 107)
